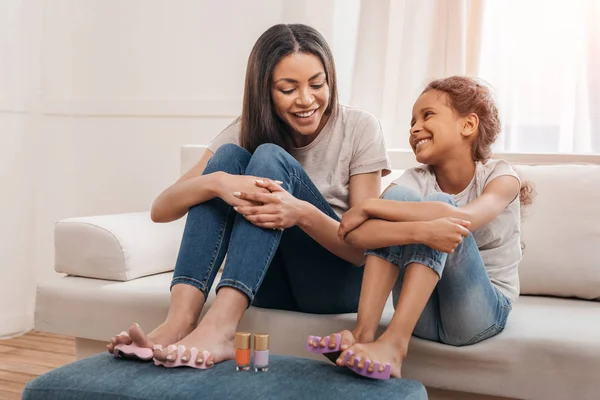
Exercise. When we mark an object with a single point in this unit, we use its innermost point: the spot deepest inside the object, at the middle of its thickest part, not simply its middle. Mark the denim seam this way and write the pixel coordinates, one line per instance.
(476, 338)
(265, 266)
(427, 261)
(218, 248)
(237, 284)
(190, 281)
(394, 259)
(317, 198)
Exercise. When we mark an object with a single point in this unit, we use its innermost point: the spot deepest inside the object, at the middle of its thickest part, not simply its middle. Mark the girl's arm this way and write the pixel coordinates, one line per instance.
(324, 229)
(442, 234)
(498, 194)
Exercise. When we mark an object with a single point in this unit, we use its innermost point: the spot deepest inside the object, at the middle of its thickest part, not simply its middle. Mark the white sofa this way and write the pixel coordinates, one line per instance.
(118, 268)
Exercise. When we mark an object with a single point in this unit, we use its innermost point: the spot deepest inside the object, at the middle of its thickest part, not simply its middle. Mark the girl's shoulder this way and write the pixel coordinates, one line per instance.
(494, 168)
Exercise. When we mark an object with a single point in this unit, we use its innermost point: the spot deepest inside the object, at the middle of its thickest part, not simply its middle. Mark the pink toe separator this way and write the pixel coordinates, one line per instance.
(191, 362)
(365, 370)
(326, 349)
(131, 350)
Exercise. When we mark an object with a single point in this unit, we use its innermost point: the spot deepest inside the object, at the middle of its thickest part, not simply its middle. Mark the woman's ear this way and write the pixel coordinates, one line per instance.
(470, 125)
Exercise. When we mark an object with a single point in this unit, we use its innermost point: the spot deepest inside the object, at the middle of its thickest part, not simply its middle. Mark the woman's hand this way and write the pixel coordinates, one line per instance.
(352, 219)
(228, 184)
(445, 234)
(276, 209)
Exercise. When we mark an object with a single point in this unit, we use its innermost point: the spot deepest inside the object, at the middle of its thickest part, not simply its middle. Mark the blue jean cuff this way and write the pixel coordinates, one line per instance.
(426, 261)
(239, 286)
(201, 286)
(387, 255)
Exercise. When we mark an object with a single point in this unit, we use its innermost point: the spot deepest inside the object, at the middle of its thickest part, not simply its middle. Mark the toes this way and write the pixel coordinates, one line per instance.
(361, 363)
(371, 367)
(159, 353)
(347, 339)
(123, 338)
(210, 360)
(138, 337)
(186, 355)
(333, 341)
(171, 352)
(201, 357)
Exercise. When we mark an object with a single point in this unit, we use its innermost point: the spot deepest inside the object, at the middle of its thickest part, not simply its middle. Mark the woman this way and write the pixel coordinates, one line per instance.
(268, 193)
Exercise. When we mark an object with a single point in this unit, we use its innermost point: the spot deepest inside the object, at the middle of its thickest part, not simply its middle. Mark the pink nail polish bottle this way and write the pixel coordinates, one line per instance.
(261, 352)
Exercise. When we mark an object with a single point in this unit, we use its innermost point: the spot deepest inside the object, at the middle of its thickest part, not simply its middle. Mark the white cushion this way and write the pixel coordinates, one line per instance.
(116, 247)
(549, 349)
(561, 231)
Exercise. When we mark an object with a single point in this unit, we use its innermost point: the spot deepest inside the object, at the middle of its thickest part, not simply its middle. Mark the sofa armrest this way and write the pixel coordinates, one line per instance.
(116, 247)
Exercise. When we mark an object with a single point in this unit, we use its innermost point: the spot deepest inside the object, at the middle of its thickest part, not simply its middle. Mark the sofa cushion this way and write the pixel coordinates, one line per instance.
(103, 377)
(561, 231)
(549, 349)
(117, 247)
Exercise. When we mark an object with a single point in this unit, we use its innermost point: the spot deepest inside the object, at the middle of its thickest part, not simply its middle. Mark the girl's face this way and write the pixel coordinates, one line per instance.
(300, 95)
(437, 132)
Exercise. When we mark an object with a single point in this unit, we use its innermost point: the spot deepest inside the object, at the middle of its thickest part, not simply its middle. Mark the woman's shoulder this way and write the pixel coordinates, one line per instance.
(352, 114)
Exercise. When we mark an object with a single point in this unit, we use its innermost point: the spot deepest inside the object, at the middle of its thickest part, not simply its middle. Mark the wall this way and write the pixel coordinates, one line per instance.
(103, 94)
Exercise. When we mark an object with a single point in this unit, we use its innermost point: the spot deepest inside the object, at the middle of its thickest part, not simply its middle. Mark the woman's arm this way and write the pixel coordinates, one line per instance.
(191, 189)
(498, 194)
(324, 229)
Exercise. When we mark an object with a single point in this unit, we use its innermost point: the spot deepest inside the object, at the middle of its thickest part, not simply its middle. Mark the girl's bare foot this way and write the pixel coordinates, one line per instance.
(382, 351)
(348, 338)
(168, 332)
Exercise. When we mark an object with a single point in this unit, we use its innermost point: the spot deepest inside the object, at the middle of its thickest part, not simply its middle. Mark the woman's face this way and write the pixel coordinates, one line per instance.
(300, 95)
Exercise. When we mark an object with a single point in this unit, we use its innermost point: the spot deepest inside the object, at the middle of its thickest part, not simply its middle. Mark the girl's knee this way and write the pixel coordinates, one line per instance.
(441, 197)
(401, 193)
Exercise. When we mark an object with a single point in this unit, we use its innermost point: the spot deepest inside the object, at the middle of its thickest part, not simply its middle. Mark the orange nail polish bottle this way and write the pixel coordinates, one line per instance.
(242, 351)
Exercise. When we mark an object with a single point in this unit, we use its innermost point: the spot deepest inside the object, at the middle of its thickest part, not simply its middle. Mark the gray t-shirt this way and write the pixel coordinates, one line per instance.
(499, 241)
(350, 143)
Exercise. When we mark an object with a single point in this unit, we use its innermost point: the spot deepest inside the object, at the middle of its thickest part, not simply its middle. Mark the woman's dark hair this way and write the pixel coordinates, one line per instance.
(260, 123)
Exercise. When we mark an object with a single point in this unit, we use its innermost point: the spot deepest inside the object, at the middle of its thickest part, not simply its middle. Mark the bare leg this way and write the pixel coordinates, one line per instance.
(184, 310)
(378, 281)
(216, 331)
(419, 282)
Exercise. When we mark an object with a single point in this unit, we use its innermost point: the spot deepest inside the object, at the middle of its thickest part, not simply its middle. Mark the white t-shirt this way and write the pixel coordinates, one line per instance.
(350, 143)
(499, 241)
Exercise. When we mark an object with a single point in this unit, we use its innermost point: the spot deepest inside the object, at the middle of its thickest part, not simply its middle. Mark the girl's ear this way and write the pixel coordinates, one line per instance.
(470, 125)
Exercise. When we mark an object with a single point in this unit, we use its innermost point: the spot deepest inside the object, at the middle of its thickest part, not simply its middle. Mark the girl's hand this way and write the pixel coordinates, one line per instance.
(228, 184)
(276, 209)
(445, 234)
(352, 219)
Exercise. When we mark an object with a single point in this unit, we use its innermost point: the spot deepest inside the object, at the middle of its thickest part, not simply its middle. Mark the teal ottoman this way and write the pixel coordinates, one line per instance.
(103, 377)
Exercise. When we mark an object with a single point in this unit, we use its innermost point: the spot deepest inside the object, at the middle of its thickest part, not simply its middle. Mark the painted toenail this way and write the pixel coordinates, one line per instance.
(169, 357)
(157, 347)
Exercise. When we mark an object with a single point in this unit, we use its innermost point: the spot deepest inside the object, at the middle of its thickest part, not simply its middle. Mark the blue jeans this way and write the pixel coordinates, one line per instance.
(285, 270)
(465, 307)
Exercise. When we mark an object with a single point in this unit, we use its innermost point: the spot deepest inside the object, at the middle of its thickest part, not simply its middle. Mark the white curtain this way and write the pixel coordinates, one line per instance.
(542, 59)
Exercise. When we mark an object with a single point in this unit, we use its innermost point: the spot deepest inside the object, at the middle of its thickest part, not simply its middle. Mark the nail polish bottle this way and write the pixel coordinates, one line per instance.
(261, 352)
(242, 351)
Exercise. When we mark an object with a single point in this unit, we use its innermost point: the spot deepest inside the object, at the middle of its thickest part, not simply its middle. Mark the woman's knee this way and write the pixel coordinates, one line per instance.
(229, 158)
(441, 197)
(271, 156)
(401, 193)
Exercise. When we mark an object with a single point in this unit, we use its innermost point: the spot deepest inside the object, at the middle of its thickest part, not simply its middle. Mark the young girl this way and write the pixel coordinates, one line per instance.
(268, 193)
(446, 234)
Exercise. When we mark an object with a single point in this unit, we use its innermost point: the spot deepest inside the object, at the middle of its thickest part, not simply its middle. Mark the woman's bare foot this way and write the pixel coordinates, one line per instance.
(382, 351)
(212, 335)
(168, 332)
